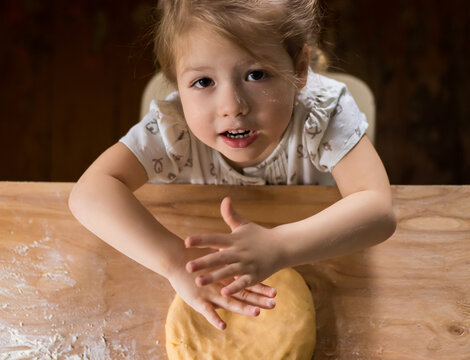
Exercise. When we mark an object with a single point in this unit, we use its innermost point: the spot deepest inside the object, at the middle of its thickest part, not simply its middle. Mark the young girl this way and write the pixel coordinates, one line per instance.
(249, 110)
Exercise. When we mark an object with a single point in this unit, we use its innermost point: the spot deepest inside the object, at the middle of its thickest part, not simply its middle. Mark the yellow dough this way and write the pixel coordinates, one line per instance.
(285, 332)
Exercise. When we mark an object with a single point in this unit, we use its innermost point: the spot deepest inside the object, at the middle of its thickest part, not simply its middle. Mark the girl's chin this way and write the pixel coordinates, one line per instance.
(240, 162)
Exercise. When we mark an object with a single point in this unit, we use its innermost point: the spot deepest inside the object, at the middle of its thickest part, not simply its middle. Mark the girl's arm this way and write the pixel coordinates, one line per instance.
(103, 201)
(362, 218)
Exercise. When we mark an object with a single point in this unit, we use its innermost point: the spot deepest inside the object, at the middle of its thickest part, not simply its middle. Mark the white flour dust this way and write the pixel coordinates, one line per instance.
(32, 324)
(16, 345)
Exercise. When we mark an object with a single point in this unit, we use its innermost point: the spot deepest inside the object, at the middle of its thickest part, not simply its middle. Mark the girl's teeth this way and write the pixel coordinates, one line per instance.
(239, 134)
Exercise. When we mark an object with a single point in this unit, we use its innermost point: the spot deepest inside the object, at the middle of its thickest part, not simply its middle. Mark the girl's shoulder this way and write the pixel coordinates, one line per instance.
(321, 91)
(329, 120)
(161, 140)
(167, 119)
(168, 110)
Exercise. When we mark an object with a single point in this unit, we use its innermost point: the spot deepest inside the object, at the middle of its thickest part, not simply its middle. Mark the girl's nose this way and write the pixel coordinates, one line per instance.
(232, 102)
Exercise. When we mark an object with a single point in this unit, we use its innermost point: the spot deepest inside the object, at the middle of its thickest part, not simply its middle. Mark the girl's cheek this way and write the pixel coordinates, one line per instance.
(269, 97)
(192, 108)
(281, 95)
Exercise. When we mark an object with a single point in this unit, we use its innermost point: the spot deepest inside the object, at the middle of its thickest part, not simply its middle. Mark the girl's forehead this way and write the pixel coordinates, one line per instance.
(204, 49)
(198, 37)
(202, 37)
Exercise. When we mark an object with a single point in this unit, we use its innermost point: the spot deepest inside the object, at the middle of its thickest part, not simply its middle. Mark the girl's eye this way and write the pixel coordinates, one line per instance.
(203, 83)
(257, 75)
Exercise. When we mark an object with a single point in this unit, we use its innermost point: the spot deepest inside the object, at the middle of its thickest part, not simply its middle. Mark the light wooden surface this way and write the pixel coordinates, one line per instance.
(66, 294)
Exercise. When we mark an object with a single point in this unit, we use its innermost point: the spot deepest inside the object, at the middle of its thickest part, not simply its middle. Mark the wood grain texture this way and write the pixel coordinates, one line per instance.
(65, 292)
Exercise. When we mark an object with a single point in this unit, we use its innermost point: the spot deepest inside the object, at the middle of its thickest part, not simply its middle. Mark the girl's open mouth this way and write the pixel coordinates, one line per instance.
(239, 138)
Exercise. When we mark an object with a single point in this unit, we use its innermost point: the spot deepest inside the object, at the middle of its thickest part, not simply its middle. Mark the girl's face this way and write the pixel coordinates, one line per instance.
(230, 101)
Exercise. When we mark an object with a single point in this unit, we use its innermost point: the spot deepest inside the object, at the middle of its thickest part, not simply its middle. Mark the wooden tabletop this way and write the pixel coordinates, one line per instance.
(66, 294)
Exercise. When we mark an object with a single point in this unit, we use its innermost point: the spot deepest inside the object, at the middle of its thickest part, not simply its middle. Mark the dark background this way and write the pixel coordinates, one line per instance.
(73, 74)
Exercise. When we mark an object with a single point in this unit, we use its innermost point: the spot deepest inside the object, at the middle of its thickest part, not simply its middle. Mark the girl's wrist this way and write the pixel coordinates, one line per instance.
(177, 265)
(282, 244)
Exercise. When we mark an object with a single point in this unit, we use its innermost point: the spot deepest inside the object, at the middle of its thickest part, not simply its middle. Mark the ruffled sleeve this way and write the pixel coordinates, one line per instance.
(334, 124)
(161, 140)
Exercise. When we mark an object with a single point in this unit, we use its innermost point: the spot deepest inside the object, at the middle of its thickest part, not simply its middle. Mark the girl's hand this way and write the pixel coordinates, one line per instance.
(249, 254)
(205, 300)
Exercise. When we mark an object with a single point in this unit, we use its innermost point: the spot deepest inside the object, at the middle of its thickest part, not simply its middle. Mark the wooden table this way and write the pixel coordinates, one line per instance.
(64, 292)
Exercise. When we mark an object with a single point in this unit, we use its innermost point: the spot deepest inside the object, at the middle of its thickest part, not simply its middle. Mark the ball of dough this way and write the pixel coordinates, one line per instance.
(285, 332)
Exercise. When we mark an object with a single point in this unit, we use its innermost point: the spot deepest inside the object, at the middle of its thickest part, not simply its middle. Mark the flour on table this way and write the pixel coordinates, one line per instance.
(30, 327)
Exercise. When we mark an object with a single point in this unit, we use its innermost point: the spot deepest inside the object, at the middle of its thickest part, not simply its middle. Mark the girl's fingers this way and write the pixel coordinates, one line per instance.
(259, 295)
(218, 241)
(263, 289)
(208, 311)
(237, 285)
(230, 216)
(211, 260)
(255, 299)
(223, 273)
(237, 306)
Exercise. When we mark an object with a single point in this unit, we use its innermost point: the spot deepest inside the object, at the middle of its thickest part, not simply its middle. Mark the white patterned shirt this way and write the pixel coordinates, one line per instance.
(325, 125)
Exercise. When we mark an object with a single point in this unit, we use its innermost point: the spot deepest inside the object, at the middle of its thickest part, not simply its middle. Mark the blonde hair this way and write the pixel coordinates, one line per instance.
(248, 23)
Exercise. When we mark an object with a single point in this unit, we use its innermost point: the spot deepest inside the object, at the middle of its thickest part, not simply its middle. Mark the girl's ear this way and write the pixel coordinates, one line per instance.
(301, 67)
